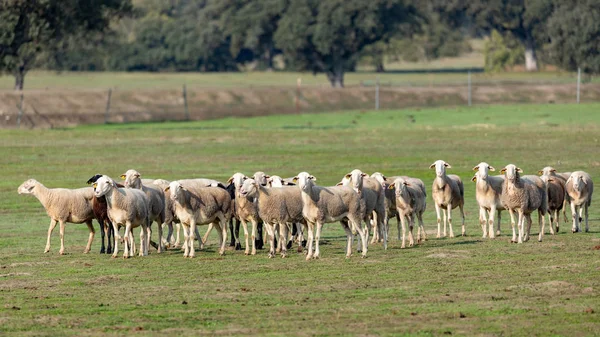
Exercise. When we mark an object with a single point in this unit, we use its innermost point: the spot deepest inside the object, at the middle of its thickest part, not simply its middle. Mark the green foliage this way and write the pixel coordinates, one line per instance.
(502, 52)
(574, 31)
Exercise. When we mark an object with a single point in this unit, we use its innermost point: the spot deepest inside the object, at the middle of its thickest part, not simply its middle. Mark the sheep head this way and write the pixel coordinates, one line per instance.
(249, 188)
(547, 171)
(132, 179)
(261, 178)
(237, 180)
(275, 181)
(379, 177)
(578, 181)
(103, 186)
(305, 181)
(512, 172)
(27, 186)
(483, 169)
(176, 190)
(399, 185)
(356, 178)
(440, 167)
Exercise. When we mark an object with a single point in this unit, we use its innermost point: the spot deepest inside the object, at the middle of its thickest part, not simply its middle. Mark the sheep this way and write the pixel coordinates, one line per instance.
(298, 227)
(488, 190)
(329, 204)
(580, 188)
(373, 196)
(127, 207)
(200, 206)
(63, 205)
(278, 207)
(556, 199)
(523, 195)
(561, 177)
(410, 202)
(448, 193)
(246, 210)
(101, 214)
(156, 203)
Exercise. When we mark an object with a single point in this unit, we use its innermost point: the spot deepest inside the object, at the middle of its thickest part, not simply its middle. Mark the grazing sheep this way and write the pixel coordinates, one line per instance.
(101, 214)
(246, 210)
(556, 199)
(523, 195)
(127, 207)
(373, 197)
(156, 203)
(488, 190)
(561, 177)
(63, 205)
(410, 202)
(201, 206)
(448, 193)
(277, 207)
(329, 204)
(580, 188)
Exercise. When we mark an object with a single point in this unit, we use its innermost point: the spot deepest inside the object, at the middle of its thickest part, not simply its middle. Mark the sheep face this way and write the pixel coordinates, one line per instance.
(103, 186)
(400, 186)
(379, 177)
(276, 181)
(356, 178)
(305, 180)
(237, 179)
(176, 190)
(483, 169)
(261, 178)
(132, 178)
(578, 181)
(249, 188)
(27, 187)
(547, 171)
(440, 167)
(511, 172)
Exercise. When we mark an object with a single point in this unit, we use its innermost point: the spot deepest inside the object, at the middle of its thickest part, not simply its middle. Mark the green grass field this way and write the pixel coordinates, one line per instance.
(459, 286)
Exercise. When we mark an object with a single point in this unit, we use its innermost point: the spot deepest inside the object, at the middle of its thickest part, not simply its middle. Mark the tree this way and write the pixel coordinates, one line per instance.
(30, 28)
(574, 31)
(327, 36)
(525, 20)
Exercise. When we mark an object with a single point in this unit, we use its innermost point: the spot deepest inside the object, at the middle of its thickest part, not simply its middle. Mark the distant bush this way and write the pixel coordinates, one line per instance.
(502, 52)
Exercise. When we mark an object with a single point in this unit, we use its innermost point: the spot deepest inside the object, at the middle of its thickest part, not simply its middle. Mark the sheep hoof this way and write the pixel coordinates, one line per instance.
(253, 253)
(308, 257)
(271, 255)
(300, 249)
(246, 253)
(403, 246)
(283, 256)
(364, 256)
(62, 252)
(348, 256)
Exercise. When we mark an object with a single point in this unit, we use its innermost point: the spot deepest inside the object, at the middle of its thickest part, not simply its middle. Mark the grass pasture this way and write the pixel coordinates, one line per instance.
(459, 286)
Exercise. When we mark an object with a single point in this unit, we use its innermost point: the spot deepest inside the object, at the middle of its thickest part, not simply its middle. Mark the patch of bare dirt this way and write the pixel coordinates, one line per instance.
(102, 280)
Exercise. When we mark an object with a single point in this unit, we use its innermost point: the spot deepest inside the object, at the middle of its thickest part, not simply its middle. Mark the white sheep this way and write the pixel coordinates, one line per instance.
(488, 190)
(580, 188)
(63, 205)
(523, 195)
(156, 203)
(329, 204)
(299, 226)
(246, 209)
(448, 193)
(201, 206)
(410, 202)
(127, 207)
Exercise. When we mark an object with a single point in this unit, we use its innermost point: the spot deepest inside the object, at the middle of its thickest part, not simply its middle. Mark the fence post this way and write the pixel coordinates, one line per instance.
(377, 94)
(20, 111)
(297, 100)
(469, 85)
(578, 84)
(185, 103)
(107, 111)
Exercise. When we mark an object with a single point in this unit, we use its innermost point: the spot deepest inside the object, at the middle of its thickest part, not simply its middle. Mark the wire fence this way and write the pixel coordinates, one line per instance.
(63, 108)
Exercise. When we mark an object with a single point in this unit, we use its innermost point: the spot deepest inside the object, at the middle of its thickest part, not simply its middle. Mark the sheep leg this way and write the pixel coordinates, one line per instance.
(126, 243)
(299, 235)
(50, 229)
(411, 225)
(177, 242)
(246, 239)
(309, 246)
(62, 237)
(399, 226)
(403, 224)
(186, 234)
(221, 226)
(271, 234)
(253, 237)
(349, 239)
(542, 223)
(449, 211)
(102, 235)
(498, 223)
(483, 221)
(260, 239)
(203, 240)
(191, 238)
(585, 207)
(278, 243)
(161, 246)
(421, 228)
(512, 223)
(575, 217)
(490, 223)
(91, 237)
(521, 225)
(110, 236)
(359, 228)
(439, 222)
(463, 231)
(317, 253)
(383, 230)
(551, 219)
(115, 239)
(283, 235)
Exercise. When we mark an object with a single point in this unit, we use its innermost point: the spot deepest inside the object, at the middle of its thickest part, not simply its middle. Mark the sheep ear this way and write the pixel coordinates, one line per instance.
(474, 178)
(348, 176)
(503, 170)
(295, 179)
(384, 177)
(267, 177)
(584, 181)
(476, 168)
(432, 166)
(230, 180)
(491, 168)
(338, 184)
(447, 165)
(519, 170)
(312, 178)
(122, 176)
(406, 183)
(364, 175)
(568, 179)
(167, 189)
(540, 172)
(392, 186)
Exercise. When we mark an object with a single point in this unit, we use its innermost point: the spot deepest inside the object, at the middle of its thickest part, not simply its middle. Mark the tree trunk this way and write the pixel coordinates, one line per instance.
(530, 56)
(19, 78)
(379, 67)
(336, 75)
(269, 58)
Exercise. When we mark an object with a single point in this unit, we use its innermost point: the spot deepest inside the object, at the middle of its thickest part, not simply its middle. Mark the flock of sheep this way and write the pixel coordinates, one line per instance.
(362, 203)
